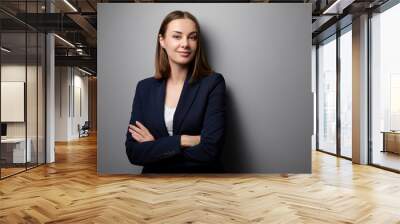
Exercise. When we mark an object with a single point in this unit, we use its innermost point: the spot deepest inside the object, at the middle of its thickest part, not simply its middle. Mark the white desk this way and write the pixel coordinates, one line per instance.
(18, 149)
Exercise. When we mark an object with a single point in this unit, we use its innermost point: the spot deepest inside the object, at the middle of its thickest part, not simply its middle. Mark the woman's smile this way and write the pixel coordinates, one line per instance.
(184, 53)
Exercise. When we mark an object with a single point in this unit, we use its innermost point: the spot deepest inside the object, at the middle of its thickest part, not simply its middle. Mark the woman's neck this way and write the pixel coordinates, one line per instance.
(178, 73)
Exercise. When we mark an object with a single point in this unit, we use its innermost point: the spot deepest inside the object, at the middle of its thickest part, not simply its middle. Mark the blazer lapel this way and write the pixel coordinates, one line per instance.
(188, 94)
(186, 99)
(160, 103)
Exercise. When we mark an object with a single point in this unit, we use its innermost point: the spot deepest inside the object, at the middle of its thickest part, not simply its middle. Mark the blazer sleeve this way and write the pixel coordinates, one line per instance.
(213, 131)
(143, 153)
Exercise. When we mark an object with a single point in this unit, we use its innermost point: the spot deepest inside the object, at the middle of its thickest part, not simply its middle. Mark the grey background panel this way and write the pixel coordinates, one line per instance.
(263, 51)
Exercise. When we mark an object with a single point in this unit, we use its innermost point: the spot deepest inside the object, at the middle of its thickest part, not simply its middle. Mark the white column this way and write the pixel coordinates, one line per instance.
(50, 91)
(50, 110)
(360, 90)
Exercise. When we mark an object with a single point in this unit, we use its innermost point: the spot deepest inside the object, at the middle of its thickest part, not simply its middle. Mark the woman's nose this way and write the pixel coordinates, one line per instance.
(184, 42)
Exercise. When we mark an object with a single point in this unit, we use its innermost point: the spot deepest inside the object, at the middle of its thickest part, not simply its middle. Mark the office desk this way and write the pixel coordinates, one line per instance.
(391, 141)
(13, 150)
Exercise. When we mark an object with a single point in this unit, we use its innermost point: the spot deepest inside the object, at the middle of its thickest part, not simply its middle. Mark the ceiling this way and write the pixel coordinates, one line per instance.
(76, 22)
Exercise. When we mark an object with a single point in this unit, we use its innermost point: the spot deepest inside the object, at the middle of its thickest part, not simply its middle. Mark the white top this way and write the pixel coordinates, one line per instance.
(169, 118)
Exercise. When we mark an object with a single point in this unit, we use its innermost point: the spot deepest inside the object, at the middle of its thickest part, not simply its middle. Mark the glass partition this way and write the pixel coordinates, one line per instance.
(22, 77)
(13, 109)
(327, 95)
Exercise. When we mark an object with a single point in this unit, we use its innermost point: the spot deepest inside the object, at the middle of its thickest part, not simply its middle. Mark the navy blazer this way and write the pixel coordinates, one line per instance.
(200, 111)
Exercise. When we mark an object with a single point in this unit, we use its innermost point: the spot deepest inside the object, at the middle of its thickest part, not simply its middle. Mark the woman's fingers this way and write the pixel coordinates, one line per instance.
(141, 126)
(141, 132)
(198, 138)
(137, 137)
(138, 130)
(144, 131)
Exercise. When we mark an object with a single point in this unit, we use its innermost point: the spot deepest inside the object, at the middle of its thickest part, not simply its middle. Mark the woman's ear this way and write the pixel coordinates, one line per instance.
(161, 40)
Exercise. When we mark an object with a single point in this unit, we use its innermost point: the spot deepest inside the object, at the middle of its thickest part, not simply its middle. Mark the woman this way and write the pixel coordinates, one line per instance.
(177, 122)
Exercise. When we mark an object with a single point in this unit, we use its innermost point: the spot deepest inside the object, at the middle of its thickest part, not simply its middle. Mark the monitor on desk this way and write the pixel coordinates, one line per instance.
(3, 130)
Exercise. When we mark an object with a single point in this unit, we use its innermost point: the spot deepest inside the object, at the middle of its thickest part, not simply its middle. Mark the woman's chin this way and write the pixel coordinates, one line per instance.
(181, 62)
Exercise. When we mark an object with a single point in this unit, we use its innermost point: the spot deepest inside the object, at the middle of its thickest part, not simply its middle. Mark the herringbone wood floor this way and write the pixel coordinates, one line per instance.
(70, 191)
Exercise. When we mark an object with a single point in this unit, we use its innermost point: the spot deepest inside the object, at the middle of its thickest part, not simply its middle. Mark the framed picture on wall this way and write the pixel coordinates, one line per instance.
(12, 101)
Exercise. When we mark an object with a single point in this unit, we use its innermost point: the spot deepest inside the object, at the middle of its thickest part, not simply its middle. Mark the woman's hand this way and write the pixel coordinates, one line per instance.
(140, 133)
(190, 140)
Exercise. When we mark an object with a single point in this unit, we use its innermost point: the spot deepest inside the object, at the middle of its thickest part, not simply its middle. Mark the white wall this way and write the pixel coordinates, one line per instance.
(16, 72)
(61, 103)
(70, 83)
(79, 117)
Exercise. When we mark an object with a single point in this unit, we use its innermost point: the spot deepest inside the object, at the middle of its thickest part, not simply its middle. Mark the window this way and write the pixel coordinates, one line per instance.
(327, 96)
(385, 88)
(346, 93)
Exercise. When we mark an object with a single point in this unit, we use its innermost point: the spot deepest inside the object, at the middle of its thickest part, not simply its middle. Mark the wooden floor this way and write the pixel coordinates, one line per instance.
(70, 191)
(387, 159)
(5, 172)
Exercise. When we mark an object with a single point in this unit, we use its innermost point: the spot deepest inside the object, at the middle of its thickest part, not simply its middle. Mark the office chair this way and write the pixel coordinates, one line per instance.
(84, 130)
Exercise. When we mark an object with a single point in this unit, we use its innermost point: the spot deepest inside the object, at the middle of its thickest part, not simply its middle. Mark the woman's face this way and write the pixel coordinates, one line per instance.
(180, 41)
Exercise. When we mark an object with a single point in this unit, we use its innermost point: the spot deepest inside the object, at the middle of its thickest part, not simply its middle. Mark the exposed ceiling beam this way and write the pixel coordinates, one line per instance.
(91, 5)
(84, 24)
(320, 22)
(85, 61)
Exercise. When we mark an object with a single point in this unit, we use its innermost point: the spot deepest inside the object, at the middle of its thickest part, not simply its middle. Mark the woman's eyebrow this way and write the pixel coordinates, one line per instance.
(194, 32)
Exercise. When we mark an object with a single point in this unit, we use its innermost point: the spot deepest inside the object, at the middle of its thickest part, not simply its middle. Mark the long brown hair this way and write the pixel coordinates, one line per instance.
(199, 66)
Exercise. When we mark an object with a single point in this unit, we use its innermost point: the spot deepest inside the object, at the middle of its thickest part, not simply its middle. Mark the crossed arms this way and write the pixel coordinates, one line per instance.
(142, 148)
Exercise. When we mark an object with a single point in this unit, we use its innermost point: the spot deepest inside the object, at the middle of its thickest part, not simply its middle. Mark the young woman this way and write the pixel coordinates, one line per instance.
(177, 121)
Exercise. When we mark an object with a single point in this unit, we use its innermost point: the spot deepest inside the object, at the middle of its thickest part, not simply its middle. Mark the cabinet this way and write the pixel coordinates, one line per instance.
(391, 141)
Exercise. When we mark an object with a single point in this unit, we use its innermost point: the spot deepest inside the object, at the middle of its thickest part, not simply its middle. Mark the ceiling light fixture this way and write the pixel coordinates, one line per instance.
(326, 11)
(338, 6)
(64, 40)
(70, 5)
(5, 49)
(79, 51)
(86, 72)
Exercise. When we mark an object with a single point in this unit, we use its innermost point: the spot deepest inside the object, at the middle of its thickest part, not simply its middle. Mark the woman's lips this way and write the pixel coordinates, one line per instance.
(184, 54)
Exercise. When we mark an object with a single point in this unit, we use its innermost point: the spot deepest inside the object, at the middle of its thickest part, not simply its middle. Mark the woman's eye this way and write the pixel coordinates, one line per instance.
(193, 37)
(176, 37)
